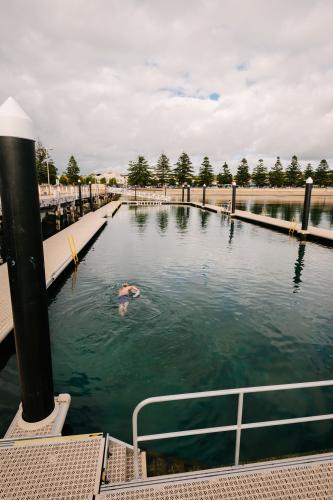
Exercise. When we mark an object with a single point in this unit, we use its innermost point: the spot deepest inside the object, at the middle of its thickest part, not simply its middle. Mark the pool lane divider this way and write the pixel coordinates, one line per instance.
(57, 256)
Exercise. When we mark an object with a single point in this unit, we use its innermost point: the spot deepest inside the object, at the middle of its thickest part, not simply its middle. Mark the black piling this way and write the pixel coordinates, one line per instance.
(204, 194)
(25, 258)
(188, 194)
(233, 200)
(183, 190)
(307, 203)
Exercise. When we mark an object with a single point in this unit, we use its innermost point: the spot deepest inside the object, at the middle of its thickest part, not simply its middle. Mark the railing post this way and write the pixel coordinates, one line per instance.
(204, 195)
(239, 426)
(307, 203)
(233, 200)
(135, 445)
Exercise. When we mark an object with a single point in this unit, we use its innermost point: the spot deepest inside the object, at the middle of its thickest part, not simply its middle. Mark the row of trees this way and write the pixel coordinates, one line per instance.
(47, 171)
(141, 174)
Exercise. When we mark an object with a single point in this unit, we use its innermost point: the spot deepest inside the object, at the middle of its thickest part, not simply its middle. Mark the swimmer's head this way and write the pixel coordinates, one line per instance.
(125, 284)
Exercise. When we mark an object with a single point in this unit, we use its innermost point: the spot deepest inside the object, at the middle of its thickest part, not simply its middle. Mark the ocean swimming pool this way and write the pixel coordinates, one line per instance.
(223, 304)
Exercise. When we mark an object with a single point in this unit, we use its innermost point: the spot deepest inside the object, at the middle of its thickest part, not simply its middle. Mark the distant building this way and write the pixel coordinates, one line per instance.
(120, 178)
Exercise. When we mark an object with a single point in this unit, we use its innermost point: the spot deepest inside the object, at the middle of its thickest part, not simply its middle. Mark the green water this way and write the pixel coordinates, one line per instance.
(224, 304)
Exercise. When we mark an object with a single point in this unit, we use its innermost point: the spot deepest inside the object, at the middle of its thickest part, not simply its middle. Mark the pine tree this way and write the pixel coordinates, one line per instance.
(63, 180)
(224, 177)
(276, 174)
(321, 173)
(260, 174)
(243, 176)
(206, 173)
(308, 172)
(44, 162)
(163, 170)
(183, 171)
(294, 176)
(139, 173)
(73, 170)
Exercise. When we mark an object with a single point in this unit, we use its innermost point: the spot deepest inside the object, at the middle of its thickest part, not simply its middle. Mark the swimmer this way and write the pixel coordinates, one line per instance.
(123, 296)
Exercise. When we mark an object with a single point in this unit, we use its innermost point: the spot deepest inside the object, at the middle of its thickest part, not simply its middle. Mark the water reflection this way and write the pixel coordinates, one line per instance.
(140, 217)
(205, 215)
(299, 266)
(315, 214)
(231, 230)
(162, 220)
(182, 218)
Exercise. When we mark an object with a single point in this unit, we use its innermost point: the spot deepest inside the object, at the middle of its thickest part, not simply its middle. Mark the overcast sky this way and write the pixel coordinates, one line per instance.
(108, 80)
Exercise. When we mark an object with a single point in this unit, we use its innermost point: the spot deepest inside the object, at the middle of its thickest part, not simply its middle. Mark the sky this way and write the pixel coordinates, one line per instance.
(108, 80)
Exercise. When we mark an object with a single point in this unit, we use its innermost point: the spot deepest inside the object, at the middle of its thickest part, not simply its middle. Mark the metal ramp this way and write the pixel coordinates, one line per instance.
(302, 478)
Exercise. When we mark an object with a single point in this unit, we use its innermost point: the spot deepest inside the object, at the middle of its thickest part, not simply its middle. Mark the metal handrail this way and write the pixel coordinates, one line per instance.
(237, 427)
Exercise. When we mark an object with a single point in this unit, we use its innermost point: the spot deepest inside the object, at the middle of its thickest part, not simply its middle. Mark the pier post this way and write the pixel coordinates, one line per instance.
(24, 255)
(80, 198)
(188, 194)
(90, 198)
(307, 203)
(135, 192)
(204, 195)
(183, 190)
(233, 200)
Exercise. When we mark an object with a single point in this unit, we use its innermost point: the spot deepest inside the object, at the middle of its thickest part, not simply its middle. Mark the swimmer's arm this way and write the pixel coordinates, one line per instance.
(134, 288)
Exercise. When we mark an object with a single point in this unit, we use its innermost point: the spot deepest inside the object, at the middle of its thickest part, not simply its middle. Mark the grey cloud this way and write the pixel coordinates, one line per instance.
(92, 74)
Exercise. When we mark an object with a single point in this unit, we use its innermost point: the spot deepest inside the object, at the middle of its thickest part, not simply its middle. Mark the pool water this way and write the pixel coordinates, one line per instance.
(223, 304)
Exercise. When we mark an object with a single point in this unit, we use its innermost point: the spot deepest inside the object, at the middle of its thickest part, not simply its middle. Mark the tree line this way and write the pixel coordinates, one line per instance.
(141, 174)
(47, 171)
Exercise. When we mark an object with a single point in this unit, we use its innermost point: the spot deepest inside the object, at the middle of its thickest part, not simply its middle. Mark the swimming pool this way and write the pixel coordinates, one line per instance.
(223, 304)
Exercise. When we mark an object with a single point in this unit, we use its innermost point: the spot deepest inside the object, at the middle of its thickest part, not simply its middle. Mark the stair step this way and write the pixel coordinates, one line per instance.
(116, 464)
(120, 466)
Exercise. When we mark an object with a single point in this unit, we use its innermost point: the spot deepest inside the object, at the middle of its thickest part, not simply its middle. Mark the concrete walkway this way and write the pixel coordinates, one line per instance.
(57, 256)
(312, 233)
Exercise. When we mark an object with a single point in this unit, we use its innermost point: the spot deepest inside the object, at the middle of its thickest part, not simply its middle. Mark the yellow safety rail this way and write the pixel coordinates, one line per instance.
(293, 227)
(72, 247)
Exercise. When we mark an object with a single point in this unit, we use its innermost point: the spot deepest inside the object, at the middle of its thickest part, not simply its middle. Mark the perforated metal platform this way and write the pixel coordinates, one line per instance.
(309, 478)
(52, 426)
(52, 468)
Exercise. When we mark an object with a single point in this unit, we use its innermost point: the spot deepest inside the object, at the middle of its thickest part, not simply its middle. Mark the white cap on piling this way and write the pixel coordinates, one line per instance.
(234, 183)
(14, 122)
(309, 180)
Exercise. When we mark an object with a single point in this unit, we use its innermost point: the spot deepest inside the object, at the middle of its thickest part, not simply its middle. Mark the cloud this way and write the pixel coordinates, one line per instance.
(109, 80)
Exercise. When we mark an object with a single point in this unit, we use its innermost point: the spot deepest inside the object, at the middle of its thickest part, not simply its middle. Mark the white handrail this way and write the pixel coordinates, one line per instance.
(238, 427)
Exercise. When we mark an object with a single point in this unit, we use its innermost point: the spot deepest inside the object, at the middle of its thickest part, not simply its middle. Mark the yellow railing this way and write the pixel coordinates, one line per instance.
(293, 227)
(73, 249)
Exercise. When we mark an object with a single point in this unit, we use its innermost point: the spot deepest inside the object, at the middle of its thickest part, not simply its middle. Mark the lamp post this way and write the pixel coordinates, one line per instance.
(90, 197)
(80, 198)
(48, 169)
